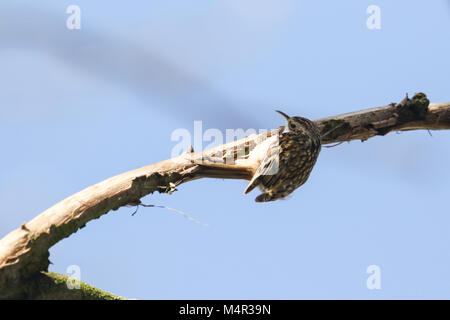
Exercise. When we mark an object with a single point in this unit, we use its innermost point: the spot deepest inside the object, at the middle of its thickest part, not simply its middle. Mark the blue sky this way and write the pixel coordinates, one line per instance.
(79, 106)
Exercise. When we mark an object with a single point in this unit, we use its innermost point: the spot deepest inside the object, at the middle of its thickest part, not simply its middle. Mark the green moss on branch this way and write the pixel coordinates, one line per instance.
(53, 286)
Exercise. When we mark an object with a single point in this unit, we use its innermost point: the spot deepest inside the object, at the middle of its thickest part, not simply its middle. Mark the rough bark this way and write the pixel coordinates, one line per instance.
(24, 252)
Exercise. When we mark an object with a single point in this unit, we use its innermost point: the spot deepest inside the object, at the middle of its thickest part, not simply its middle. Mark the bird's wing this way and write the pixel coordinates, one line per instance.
(268, 167)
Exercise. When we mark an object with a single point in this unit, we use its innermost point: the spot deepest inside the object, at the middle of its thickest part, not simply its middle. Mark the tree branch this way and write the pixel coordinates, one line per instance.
(410, 114)
(53, 286)
(24, 252)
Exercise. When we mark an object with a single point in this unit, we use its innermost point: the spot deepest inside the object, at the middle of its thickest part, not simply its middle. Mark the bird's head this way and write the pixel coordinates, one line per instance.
(298, 124)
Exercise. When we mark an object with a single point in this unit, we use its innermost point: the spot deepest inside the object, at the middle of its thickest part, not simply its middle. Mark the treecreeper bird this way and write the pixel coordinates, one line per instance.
(278, 165)
(289, 160)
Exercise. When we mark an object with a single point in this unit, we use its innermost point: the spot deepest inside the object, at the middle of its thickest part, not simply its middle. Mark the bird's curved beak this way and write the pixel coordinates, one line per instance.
(283, 114)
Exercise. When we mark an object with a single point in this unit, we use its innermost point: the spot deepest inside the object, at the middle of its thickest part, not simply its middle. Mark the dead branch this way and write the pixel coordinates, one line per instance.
(24, 252)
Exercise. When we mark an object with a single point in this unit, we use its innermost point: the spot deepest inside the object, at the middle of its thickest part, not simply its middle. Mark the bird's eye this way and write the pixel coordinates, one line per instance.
(292, 126)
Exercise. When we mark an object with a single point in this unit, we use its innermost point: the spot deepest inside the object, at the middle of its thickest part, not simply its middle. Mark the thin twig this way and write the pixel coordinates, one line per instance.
(171, 209)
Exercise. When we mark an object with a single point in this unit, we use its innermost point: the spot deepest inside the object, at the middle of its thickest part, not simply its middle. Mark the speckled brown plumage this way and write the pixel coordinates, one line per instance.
(289, 160)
